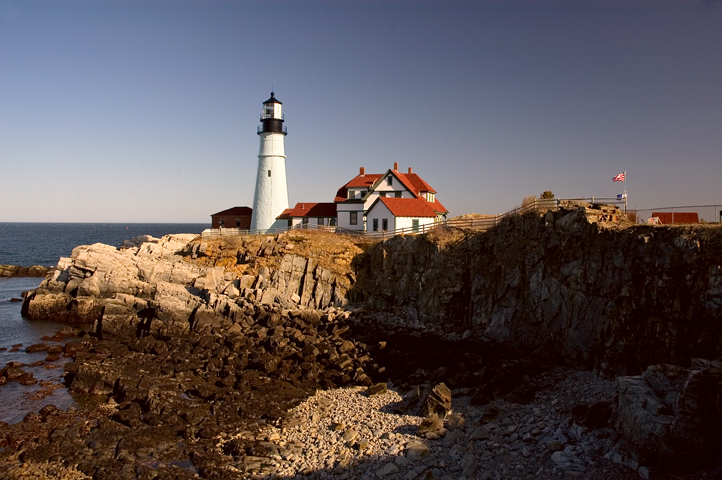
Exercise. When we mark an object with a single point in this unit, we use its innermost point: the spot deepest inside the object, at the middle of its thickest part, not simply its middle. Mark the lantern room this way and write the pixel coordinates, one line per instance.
(272, 117)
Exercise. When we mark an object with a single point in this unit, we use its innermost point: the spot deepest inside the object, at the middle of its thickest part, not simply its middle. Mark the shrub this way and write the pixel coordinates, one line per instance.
(546, 195)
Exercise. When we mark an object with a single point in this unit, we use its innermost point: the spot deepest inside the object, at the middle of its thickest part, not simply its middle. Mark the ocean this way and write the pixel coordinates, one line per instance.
(27, 244)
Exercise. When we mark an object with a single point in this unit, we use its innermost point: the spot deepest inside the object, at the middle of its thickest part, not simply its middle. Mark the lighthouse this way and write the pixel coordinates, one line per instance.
(271, 197)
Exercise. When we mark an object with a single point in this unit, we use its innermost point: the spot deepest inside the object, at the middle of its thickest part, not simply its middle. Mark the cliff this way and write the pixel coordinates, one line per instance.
(563, 285)
(568, 286)
(180, 285)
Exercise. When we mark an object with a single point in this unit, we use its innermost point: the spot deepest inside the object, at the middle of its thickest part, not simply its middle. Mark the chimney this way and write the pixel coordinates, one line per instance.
(409, 169)
(362, 171)
(396, 166)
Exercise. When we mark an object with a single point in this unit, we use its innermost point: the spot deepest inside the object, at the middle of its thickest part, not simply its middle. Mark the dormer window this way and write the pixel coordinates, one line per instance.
(430, 197)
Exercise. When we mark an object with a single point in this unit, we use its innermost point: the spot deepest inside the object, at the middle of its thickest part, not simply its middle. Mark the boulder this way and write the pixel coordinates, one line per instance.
(672, 415)
(437, 403)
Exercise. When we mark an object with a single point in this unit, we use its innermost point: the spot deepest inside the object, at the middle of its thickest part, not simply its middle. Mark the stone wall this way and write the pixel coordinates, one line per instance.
(561, 284)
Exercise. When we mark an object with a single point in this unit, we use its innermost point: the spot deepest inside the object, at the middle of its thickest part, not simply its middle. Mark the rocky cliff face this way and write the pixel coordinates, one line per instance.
(562, 285)
(159, 283)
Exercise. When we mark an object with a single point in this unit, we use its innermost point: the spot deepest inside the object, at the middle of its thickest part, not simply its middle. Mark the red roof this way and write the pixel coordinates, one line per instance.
(411, 181)
(363, 180)
(419, 185)
(407, 207)
(359, 181)
(438, 206)
(325, 210)
(665, 218)
(235, 211)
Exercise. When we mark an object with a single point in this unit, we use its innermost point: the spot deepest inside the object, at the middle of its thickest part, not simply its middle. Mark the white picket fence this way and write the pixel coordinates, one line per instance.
(481, 223)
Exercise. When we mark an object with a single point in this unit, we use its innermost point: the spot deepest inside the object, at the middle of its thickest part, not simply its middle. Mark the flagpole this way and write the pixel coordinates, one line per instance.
(625, 191)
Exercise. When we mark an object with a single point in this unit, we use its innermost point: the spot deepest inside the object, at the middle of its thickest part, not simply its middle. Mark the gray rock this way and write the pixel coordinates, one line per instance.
(386, 470)
(671, 414)
(416, 450)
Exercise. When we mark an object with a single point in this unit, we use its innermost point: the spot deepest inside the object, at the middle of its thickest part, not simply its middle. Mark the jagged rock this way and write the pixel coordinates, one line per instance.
(108, 286)
(671, 415)
(376, 389)
(437, 403)
(569, 285)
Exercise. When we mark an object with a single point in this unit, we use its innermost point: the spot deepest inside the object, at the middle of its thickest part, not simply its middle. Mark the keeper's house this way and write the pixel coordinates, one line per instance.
(373, 202)
(387, 201)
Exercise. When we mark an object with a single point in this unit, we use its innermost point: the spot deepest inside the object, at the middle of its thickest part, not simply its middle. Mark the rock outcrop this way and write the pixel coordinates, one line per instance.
(671, 416)
(17, 271)
(562, 285)
(157, 285)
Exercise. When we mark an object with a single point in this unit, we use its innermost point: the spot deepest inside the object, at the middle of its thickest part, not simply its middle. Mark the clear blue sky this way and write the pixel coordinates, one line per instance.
(146, 111)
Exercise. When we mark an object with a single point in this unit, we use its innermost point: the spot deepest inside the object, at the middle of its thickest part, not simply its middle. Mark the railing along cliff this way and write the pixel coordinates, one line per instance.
(479, 223)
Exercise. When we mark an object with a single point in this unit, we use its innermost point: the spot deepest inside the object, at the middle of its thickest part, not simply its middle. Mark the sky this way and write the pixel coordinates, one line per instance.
(146, 111)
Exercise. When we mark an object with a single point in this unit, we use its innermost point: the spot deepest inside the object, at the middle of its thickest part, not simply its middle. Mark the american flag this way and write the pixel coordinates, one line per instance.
(618, 178)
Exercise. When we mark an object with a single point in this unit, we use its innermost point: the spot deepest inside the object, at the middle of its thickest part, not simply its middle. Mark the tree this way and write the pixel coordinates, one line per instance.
(546, 195)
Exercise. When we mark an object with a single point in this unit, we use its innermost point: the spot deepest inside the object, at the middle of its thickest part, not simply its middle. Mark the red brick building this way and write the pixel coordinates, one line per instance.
(236, 217)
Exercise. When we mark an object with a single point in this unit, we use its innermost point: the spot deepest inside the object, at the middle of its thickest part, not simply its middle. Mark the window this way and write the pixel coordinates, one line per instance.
(397, 194)
(353, 218)
(304, 220)
(319, 221)
(269, 173)
(290, 222)
(382, 194)
(376, 224)
(430, 197)
(332, 221)
(385, 224)
(351, 194)
(389, 180)
(415, 225)
(222, 222)
(238, 223)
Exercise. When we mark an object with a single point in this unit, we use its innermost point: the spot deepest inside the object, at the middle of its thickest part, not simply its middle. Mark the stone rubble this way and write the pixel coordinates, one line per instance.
(518, 442)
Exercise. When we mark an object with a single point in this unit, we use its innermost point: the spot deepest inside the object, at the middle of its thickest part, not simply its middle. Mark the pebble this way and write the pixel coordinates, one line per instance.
(360, 436)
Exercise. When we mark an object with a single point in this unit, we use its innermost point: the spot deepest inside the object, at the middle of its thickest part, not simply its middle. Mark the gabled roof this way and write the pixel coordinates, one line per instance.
(406, 207)
(359, 181)
(665, 218)
(235, 211)
(411, 181)
(419, 184)
(309, 210)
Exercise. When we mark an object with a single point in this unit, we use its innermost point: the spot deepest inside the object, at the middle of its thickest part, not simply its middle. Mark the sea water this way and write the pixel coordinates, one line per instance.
(15, 399)
(27, 244)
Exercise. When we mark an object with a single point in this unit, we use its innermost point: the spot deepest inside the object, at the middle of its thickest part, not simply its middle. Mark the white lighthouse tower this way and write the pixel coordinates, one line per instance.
(271, 197)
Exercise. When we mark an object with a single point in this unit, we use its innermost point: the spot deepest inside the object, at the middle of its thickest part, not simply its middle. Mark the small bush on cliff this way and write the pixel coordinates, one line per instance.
(546, 195)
